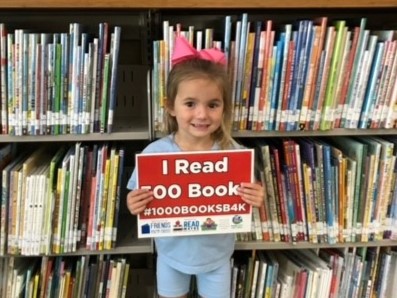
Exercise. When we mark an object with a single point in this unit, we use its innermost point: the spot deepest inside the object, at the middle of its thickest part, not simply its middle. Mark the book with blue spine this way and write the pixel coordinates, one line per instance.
(369, 97)
(253, 115)
(276, 82)
(329, 200)
(367, 61)
(306, 58)
(287, 38)
(297, 36)
(303, 46)
(114, 55)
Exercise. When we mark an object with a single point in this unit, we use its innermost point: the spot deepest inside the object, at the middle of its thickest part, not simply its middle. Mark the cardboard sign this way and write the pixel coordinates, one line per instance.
(195, 193)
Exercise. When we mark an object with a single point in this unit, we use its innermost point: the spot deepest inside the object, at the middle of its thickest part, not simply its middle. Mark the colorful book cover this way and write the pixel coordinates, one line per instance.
(280, 116)
(328, 106)
(319, 33)
(323, 76)
(264, 99)
(277, 61)
(302, 58)
(363, 79)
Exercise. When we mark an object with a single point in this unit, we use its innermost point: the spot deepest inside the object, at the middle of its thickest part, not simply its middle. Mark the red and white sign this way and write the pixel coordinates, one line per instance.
(195, 193)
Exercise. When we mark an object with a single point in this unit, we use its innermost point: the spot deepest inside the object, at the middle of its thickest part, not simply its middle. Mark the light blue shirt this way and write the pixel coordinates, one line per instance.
(189, 254)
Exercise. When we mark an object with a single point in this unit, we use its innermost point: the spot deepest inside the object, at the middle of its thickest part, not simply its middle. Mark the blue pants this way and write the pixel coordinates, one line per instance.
(173, 283)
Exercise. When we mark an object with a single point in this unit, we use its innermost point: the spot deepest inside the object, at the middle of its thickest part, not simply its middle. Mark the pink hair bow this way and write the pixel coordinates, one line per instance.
(183, 50)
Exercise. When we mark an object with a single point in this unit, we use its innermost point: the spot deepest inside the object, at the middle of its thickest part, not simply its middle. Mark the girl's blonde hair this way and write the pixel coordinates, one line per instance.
(201, 69)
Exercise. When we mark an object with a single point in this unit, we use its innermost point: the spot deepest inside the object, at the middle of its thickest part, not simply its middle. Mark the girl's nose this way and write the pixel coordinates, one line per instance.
(202, 111)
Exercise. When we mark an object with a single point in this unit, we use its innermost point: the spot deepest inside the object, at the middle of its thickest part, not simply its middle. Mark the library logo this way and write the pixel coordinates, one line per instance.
(177, 226)
(209, 225)
(145, 229)
(158, 227)
(237, 219)
(191, 225)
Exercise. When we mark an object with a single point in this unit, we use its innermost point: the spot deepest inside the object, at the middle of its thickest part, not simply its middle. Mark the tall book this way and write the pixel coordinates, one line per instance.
(114, 55)
(257, 62)
(328, 108)
(356, 64)
(319, 31)
(3, 78)
(304, 43)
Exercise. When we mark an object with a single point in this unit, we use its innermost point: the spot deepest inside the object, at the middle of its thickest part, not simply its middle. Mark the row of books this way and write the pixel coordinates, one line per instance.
(306, 75)
(85, 276)
(361, 272)
(58, 83)
(57, 202)
(326, 190)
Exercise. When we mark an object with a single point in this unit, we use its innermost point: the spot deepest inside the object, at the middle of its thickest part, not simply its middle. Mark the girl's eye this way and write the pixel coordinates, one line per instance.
(214, 105)
(189, 104)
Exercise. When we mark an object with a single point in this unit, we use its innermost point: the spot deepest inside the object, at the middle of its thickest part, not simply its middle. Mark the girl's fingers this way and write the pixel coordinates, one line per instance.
(252, 193)
(137, 200)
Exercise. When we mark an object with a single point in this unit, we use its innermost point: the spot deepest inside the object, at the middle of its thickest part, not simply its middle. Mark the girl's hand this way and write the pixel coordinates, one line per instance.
(252, 193)
(138, 199)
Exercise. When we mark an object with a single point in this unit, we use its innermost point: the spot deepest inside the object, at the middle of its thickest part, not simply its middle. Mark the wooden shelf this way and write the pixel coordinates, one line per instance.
(164, 4)
(263, 245)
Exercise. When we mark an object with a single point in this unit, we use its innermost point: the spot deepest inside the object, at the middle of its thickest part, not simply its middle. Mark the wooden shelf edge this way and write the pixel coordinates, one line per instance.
(118, 136)
(264, 245)
(306, 133)
(164, 4)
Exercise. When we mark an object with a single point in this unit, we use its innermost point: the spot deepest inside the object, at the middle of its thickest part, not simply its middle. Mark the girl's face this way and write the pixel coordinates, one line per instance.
(198, 109)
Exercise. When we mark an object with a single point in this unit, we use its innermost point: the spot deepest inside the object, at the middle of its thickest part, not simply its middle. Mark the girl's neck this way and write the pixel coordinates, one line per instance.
(193, 144)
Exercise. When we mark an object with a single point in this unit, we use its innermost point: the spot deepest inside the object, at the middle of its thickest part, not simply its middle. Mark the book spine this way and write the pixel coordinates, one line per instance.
(329, 101)
(114, 52)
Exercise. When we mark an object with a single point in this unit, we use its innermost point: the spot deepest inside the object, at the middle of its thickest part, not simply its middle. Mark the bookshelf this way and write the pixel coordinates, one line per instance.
(160, 4)
(140, 21)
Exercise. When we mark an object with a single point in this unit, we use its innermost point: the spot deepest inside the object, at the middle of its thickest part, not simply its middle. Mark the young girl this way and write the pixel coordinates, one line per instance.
(198, 117)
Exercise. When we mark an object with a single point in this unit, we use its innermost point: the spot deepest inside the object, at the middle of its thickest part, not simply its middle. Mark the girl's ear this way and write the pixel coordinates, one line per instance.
(169, 108)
